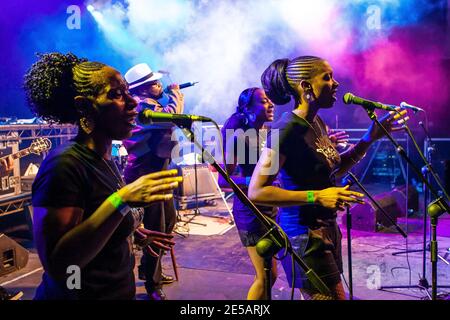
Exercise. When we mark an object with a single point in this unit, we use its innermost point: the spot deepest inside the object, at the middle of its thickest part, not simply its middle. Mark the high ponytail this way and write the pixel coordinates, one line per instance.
(274, 82)
(282, 77)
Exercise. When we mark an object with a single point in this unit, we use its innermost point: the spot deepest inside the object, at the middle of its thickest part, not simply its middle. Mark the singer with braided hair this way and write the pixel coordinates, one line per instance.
(84, 214)
(244, 134)
(308, 163)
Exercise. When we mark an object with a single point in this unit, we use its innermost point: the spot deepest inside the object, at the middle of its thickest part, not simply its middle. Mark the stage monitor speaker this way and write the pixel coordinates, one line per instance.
(367, 217)
(206, 186)
(399, 193)
(13, 256)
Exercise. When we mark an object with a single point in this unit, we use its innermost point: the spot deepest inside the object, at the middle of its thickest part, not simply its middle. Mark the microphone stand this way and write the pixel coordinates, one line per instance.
(349, 226)
(275, 239)
(438, 207)
(348, 217)
(379, 207)
(196, 210)
(349, 252)
(423, 282)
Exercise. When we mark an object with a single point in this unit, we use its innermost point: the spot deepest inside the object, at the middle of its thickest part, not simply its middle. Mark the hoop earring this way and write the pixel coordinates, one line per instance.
(87, 125)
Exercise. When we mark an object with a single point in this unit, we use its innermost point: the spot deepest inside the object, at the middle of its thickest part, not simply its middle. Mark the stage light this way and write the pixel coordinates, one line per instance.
(90, 8)
(308, 18)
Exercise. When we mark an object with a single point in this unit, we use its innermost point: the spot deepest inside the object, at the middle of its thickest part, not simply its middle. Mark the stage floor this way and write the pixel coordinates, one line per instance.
(216, 267)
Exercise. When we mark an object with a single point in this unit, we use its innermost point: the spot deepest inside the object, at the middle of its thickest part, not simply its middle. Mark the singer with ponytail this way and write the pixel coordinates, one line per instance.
(84, 215)
(307, 165)
(247, 127)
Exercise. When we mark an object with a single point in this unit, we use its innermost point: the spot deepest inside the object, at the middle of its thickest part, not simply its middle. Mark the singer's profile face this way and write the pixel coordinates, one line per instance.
(154, 89)
(116, 114)
(324, 85)
(262, 106)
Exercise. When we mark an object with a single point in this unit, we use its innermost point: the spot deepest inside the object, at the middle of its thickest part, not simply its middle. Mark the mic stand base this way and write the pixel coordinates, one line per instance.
(349, 253)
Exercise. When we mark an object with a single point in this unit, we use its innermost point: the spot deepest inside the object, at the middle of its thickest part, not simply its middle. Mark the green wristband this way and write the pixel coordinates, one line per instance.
(310, 196)
(118, 203)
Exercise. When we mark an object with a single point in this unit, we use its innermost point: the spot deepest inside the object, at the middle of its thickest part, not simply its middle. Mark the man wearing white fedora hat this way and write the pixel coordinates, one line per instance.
(149, 150)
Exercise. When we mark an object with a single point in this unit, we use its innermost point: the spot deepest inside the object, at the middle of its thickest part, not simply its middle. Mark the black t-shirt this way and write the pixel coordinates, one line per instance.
(310, 160)
(74, 176)
(245, 143)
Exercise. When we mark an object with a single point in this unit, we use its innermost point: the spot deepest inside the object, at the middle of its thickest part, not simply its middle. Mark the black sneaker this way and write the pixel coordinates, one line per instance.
(9, 295)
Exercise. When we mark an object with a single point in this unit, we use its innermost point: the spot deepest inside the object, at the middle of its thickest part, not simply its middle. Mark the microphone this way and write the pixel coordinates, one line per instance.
(183, 85)
(148, 116)
(352, 99)
(164, 71)
(405, 105)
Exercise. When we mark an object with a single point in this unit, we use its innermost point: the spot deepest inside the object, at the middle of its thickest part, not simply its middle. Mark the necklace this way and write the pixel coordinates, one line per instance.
(115, 173)
(312, 127)
(324, 145)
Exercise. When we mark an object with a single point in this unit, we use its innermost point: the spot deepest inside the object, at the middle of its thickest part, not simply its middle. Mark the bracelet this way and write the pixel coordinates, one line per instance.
(118, 203)
(310, 196)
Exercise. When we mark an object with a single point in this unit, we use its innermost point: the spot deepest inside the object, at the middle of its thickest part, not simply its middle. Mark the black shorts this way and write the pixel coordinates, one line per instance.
(251, 238)
(321, 250)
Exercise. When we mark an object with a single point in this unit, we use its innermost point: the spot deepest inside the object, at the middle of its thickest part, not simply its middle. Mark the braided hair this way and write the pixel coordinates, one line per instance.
(55, 80)
(282, 77)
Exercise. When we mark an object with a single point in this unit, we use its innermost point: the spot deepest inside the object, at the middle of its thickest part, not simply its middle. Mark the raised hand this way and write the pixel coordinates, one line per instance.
(392, 121)
(339, 138)
(151, 188)
(337, 198)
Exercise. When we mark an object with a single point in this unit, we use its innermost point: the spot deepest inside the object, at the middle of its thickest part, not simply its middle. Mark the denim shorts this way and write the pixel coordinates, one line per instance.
(321, 250)
(251, 238)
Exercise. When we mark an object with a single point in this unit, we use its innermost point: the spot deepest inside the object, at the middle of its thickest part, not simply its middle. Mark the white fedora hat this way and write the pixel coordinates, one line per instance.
(140, 74)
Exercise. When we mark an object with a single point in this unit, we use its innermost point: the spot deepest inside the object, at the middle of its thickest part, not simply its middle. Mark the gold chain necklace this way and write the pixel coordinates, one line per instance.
(311, 126)
(119, 179)
(324, 146)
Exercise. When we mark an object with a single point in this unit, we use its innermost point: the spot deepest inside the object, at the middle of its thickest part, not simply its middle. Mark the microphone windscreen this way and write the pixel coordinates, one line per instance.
(145, 116)
(348, 98)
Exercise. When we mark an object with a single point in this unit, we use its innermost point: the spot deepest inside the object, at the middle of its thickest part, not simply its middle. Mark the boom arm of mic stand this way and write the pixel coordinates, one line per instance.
(402, 152)
(273, 231)
(400, 230)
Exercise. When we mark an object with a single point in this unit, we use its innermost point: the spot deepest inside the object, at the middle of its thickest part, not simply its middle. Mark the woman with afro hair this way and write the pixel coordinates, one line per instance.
(84, 214)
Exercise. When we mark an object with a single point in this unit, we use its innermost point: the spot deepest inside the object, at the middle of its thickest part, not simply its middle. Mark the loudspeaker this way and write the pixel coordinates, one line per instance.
(13, 256)
(399, 193)
(206, 186)
(367, 217)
